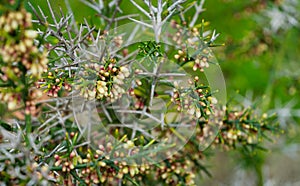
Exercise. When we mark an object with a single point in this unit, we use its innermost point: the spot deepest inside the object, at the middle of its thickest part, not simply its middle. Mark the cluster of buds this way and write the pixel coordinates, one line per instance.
(20, 57)
(17, 43)
(110, 174)
(182, 35)
(67, 163)
(117, 159)
(110, 164)
(31, 171)
(117, 89)
(87, 172)
(190, 38)
(53, 83)
(13, 20)
(181, 56)
(206, 129)
(178, 36)
(109, 82)
(196, 99)
(200, 62)
(118, 41)
(175, 172)
(13, 100)
(240, 127)
(101, 90)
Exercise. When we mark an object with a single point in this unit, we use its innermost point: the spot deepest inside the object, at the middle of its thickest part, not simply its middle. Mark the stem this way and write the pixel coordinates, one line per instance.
(260, 179)
(28, 128)
(19, 4)
(25, 95)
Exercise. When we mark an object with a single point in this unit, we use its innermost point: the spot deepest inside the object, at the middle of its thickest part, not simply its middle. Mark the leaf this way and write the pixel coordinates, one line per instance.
(166, 84)
(131, 180)
(5, 125)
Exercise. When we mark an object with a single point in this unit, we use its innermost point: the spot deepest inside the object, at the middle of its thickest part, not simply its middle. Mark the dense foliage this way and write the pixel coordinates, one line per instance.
(160, 116)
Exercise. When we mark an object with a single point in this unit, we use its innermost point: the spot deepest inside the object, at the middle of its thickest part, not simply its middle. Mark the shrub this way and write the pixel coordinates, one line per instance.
(119, 101)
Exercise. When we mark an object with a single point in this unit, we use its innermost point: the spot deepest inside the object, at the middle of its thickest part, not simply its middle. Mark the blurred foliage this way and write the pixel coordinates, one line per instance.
(260, 59)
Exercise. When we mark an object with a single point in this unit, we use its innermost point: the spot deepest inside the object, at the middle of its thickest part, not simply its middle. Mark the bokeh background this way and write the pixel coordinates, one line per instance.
(261, 63)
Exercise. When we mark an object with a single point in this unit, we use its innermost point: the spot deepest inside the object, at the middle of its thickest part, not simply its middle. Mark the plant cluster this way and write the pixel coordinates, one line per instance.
(108, 78)
(128, 84)
(21, 57)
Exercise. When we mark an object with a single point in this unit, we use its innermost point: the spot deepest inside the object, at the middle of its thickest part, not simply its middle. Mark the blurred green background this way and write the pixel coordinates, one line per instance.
(261, 64)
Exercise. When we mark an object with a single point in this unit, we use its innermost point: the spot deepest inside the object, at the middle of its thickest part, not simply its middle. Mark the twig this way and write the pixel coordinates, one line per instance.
(199, 9)
(51, 12)
(114, 15)
(141, 23)
(141, 9)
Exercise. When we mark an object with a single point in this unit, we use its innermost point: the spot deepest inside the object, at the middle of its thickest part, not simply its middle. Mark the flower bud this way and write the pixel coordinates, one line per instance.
(31, 34)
